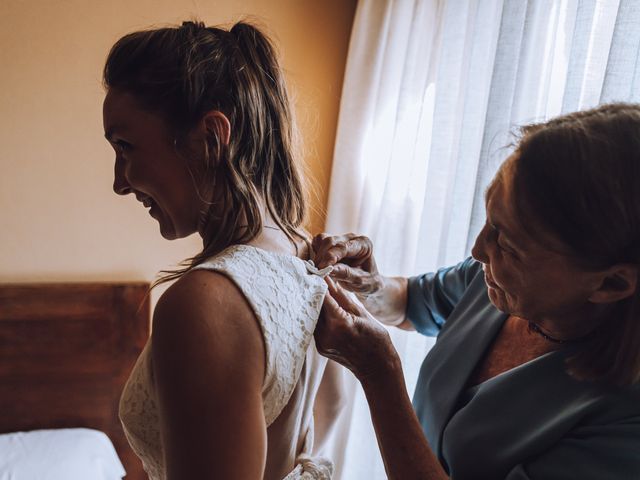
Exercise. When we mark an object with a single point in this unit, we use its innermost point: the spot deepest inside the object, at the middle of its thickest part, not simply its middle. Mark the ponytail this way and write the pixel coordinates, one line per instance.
(273, 125)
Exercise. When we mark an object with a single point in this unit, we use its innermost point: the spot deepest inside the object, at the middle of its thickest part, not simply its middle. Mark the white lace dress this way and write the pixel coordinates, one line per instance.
(286, 295)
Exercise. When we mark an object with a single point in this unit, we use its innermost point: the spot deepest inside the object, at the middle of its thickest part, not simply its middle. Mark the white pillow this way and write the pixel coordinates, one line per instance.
(63, 454)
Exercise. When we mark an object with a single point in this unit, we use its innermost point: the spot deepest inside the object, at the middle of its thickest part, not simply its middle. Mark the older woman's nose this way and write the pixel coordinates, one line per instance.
(479, 250)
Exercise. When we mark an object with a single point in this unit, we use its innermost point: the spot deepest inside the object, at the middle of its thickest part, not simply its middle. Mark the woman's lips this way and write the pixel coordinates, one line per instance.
(152, 210)
(489, 281)
(145, 200)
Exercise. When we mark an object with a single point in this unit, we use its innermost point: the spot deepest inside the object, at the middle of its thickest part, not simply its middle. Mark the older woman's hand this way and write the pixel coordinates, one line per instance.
(351, 256)
(348, 334)
(355, 269)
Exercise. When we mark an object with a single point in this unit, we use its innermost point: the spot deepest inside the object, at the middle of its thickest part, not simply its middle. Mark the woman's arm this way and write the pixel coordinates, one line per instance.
(347, 334)
(389, 303)
(420, 303)
(208, 362)
(404, 449)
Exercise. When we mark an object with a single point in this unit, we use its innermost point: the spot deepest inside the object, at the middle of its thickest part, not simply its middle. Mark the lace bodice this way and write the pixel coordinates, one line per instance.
(286, 295)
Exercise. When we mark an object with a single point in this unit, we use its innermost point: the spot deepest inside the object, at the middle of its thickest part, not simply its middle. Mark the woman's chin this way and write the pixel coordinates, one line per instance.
(167, 231)
(168, 236)
(497, 299)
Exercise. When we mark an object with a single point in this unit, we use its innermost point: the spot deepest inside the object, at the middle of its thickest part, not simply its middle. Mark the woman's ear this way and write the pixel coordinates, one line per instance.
(616, 283)
(216, 123)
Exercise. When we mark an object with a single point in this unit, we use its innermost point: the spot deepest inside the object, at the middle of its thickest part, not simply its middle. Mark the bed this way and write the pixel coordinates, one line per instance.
(66, 351)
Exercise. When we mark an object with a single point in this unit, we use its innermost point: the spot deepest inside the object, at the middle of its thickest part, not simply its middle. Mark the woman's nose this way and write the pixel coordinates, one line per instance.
(479, 250)
(120, 184)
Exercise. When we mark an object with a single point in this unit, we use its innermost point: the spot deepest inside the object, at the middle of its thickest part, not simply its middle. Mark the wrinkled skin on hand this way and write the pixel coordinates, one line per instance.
(348, 334)
(351, 256)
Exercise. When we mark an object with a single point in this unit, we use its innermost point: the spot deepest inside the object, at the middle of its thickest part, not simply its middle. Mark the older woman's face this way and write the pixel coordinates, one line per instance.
(148, 166)
(523, 277)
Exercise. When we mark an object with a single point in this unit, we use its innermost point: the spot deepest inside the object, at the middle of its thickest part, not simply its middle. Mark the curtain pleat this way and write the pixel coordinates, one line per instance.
(621, 75)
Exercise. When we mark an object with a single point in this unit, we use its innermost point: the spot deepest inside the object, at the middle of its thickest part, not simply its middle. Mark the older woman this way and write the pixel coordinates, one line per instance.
(535, 371)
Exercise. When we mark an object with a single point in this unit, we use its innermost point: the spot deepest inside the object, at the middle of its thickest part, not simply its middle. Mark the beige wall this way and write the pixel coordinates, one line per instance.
(59, 219)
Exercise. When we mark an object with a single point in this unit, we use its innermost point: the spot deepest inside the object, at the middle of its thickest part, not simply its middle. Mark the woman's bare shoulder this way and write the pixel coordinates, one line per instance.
(208, 364)
(205, 314)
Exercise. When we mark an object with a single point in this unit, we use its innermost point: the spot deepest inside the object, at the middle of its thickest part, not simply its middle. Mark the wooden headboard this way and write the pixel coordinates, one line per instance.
(66, 351)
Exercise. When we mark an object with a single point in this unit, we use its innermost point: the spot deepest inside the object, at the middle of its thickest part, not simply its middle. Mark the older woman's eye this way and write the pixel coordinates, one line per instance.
(505, 249)
(498, 243)
(495, 234)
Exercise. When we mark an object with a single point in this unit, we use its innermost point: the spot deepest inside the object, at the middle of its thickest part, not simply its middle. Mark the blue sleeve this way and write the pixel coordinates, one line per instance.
(592, 452)
(433, 296)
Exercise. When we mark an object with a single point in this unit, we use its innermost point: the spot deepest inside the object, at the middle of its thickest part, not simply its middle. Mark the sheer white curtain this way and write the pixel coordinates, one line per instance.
(432, 90)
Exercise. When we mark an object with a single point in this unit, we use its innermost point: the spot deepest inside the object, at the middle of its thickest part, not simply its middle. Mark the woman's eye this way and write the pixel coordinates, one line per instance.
(508, 250)
(122, 145)
(496, 238)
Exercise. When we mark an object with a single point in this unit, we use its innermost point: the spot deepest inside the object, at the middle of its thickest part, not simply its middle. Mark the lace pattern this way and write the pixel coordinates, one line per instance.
(287, 301)
(286, 294)
(140, 418)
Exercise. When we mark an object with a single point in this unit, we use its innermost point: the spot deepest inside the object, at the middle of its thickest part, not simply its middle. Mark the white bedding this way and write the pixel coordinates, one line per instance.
(62, 454)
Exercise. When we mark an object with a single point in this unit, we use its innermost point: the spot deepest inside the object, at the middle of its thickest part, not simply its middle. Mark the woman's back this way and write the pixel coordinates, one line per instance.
(285, 296)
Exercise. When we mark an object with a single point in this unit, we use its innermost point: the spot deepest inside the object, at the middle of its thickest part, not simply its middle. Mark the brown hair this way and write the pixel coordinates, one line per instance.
(181, 73)
(578, 175)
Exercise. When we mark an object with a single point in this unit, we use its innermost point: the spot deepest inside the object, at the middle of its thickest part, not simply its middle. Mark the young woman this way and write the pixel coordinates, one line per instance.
(203, 135)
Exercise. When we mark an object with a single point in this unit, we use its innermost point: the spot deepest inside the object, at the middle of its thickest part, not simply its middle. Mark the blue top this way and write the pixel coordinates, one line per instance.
(532, 422)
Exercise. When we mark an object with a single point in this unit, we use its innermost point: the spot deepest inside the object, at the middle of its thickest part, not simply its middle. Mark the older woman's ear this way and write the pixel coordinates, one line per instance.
(617, 283)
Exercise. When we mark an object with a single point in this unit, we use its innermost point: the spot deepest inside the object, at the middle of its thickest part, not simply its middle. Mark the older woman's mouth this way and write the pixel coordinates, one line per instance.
(489, 281)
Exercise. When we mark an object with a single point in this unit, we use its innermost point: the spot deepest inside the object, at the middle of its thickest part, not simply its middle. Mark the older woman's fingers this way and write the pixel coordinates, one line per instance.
(332, 317)
(349, 248)
(344, 273)
(336, 295)
(360, 250)
(324, 241)
(328, 249)
(344, 299)
(331, 310)
(317, 241)
(355, 279)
